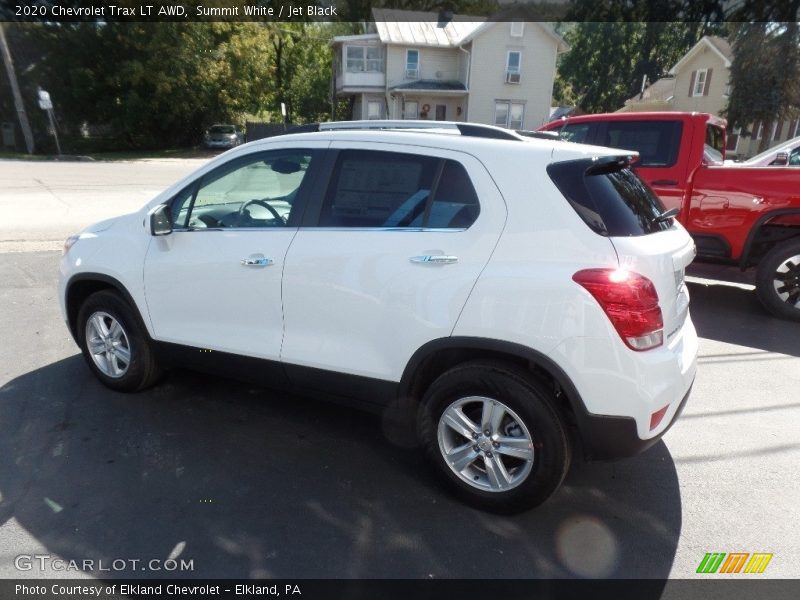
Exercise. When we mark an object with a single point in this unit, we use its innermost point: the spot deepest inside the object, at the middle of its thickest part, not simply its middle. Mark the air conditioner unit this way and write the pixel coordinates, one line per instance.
(512, 77)
(412, 73)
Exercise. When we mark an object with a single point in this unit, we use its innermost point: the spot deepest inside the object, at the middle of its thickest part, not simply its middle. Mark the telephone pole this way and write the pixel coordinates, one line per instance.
(12, 79)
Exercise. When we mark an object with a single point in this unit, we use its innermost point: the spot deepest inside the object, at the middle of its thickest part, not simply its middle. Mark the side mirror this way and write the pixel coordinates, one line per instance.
(160, 220)
(781, 159)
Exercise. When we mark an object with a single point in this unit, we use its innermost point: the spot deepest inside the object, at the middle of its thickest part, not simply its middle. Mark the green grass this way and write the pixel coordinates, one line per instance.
(20, 156)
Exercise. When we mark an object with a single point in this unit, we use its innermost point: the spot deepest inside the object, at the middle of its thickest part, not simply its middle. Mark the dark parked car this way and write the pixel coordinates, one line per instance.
(223, 136)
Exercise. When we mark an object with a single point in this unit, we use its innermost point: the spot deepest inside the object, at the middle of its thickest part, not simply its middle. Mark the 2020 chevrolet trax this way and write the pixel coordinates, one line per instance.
(524, 297)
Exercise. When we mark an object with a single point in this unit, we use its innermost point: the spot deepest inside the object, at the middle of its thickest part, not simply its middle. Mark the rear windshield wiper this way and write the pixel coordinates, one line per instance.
(667, 214)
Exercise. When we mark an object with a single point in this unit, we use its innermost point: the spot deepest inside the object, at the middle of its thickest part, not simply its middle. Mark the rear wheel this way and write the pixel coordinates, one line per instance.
(495, 436)
(778, 280)
(115, 344)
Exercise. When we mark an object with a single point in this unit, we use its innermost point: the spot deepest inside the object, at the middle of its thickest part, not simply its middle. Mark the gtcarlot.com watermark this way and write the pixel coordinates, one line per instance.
(46, 562)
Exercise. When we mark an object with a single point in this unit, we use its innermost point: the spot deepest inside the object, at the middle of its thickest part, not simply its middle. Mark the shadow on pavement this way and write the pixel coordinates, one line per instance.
(211, 471)
(734, 315)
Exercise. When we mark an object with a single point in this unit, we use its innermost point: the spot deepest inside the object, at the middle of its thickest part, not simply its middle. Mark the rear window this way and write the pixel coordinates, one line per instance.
(610, 198)
(657, 142)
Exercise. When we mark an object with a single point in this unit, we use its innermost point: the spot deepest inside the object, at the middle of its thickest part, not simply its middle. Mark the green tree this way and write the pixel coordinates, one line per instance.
(615, 43)
(765, 74)
(607, 61)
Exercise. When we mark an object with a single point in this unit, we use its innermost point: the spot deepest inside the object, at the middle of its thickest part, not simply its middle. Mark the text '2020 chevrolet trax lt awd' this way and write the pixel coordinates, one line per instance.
(511, 291)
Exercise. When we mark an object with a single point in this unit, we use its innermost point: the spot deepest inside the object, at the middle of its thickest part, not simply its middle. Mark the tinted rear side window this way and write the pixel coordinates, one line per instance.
(609, 197)
(657, 142)
(396, 190)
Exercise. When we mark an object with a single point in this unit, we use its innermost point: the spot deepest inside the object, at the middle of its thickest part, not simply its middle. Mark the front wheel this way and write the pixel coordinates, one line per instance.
(778, 280)
(495, 435)
(115, 343)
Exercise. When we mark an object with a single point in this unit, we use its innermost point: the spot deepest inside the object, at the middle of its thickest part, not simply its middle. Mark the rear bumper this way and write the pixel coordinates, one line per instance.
(608, 438)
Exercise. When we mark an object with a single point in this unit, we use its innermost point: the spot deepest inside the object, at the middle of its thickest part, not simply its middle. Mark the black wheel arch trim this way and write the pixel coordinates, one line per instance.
(111, 282)
(601, 437)
(748, 245)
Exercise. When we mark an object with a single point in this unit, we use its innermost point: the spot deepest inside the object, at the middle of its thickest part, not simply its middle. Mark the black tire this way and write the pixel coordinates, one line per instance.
(141, 371)
(531, 403)
(778, 266)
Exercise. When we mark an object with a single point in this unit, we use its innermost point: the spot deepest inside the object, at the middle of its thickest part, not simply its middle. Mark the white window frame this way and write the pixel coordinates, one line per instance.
(365, 62)
(704, 73)
(406, 113)
(774, 135)
(371, 103)
(759, 131)
(517, 28)
(408, 63)
(508, 107)
(510, 71)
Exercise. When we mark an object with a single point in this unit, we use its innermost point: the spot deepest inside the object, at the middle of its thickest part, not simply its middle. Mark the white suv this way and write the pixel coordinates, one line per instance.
(522, 296)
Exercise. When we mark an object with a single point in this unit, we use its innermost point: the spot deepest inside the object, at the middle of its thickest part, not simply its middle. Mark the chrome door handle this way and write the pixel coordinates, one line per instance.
(440, 259)
(257, 262)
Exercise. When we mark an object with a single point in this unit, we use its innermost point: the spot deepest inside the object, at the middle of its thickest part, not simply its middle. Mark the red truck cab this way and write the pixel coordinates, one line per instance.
(737, 214)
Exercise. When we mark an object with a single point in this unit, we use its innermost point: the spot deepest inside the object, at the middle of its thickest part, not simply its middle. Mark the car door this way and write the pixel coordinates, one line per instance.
(387, 260)
(215, 281)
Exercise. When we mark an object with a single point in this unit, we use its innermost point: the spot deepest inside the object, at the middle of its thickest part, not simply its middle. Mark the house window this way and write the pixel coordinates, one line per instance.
(410, 109)
(374, 109)
(517, 28)
(364, 59)
(513, 60)
(777, 129)
(728, 89)
(759, 130)
(733, 140)
(700, 82)
(412, 64)
(509, 114)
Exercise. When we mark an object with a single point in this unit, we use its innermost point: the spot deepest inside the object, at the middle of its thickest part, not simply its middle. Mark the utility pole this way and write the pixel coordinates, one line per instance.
(12, 79)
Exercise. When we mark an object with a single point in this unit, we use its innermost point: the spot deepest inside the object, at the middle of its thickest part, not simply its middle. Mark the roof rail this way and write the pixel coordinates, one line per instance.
(465, 129)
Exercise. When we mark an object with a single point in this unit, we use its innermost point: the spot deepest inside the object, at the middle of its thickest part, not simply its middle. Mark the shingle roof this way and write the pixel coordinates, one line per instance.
(661, 89)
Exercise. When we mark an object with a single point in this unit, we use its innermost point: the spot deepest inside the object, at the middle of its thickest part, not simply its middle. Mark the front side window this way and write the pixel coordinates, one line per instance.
(575, 132)
(255, 191)
(715, 143)
(395, 190)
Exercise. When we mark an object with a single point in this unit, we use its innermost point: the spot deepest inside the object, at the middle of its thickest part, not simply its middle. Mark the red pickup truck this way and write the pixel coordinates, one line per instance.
(737, 214)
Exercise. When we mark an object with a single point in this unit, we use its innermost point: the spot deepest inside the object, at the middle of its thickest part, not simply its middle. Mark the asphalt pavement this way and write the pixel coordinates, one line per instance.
(243, 482)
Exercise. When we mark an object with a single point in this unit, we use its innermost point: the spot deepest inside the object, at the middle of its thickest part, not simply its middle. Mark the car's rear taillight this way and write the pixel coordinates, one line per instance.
(631, 302)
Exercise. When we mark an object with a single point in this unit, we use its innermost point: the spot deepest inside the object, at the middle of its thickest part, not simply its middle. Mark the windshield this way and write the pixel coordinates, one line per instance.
(222, 129)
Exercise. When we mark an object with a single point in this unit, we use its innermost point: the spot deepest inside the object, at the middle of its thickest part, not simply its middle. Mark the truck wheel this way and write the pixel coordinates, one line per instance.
(115, 344)
(778, 280)
(495, 436)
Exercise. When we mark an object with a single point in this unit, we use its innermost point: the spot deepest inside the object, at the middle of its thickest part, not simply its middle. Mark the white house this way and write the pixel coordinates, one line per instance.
(409, 67)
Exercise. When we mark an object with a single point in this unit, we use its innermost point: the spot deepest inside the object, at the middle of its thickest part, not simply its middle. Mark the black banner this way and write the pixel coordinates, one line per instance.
(65, 11)
(430, 589)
